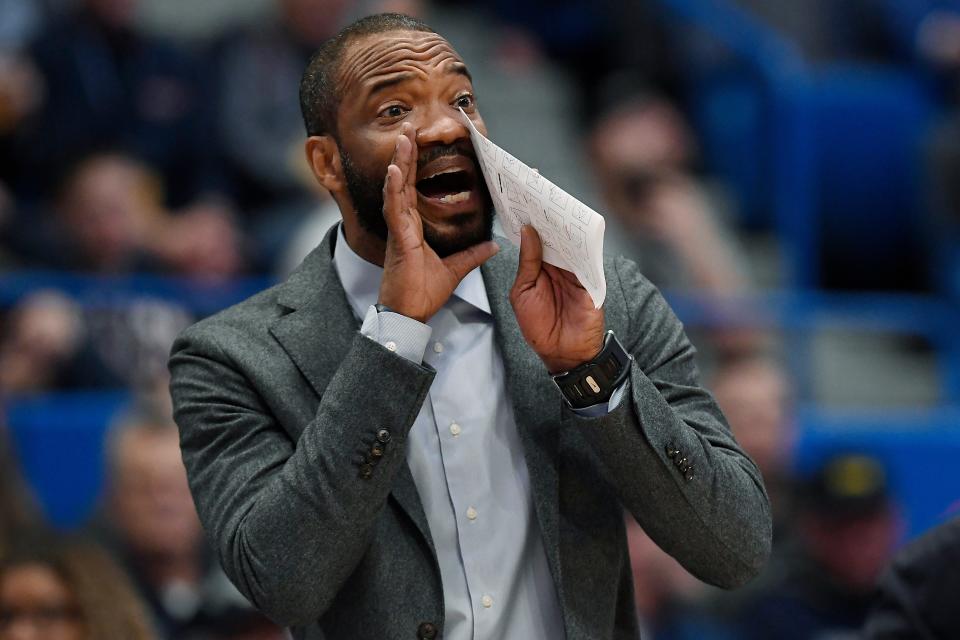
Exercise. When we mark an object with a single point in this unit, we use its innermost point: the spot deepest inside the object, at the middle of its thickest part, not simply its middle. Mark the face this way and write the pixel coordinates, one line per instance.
(35, 604)
(400, 77)
(754, 398)
(107, 208)
(853, 549)
(152, 505)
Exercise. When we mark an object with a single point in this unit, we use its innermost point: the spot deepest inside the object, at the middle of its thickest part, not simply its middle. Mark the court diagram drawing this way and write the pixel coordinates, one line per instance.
(570, 231)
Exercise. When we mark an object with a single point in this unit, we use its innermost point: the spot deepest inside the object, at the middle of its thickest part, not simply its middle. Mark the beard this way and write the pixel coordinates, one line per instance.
(366, 191)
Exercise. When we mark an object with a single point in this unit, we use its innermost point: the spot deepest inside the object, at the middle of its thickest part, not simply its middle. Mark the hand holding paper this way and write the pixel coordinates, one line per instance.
(570, 231)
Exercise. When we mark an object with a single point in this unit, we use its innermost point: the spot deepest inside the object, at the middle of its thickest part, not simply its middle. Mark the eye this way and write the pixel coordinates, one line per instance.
(465, 102)
(393, 111)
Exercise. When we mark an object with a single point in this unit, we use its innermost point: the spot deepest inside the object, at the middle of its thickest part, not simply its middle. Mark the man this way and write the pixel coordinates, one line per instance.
(151, 525)
(847, 525)
(360, 485)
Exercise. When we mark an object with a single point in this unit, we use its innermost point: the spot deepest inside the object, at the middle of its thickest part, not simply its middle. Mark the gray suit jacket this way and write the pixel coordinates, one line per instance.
(279, 398)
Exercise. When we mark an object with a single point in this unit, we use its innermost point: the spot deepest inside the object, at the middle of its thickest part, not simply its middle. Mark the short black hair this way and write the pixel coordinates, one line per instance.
(318, 92)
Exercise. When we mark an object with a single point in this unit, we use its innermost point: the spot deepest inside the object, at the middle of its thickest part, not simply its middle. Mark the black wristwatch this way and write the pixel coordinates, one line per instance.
(595, 381)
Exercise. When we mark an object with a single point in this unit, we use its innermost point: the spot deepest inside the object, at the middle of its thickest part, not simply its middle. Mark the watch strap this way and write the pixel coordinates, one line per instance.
(593, 382)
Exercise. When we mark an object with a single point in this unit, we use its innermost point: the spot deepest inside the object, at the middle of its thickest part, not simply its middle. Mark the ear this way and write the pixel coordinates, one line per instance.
(323, 156)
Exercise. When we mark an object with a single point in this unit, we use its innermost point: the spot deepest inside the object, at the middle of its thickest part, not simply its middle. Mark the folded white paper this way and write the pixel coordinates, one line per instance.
(570, 231)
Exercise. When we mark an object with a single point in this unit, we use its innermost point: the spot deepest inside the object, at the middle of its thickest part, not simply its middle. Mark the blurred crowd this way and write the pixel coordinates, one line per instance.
(174, 147)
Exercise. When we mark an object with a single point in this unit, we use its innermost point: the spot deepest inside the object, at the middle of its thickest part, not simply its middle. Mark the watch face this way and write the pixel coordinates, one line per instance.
(593, 384)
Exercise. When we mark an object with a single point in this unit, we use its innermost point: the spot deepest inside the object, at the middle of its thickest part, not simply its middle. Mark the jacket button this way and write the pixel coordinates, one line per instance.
(426, 631)
(366, 471)
(376, 451)
(688, 473)
(672, 451)
(383, 436)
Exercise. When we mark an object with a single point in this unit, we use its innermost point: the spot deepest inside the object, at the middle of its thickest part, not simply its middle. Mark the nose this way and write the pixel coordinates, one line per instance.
(441, 124)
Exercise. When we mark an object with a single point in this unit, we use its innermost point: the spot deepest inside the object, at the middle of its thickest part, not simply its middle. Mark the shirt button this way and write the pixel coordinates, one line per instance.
(486, 601)
(455, 429)
(391, 345)
(471, 513)
(438, 347)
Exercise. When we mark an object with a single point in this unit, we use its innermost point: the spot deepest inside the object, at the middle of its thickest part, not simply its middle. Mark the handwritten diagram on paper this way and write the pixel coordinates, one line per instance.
(571, 232)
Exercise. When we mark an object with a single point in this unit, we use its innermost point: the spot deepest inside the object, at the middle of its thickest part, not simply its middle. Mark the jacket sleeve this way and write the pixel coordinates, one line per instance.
(715, 518)
(290, 521)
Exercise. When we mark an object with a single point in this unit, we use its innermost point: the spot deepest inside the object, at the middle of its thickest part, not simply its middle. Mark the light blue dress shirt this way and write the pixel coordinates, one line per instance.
(467, 462)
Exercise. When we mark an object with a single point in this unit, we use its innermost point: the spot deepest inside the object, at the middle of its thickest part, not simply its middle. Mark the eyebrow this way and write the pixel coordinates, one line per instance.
(389, 81)
(455, 66)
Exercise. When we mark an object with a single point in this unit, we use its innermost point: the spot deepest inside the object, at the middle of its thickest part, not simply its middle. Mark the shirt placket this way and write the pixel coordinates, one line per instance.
(463, 468)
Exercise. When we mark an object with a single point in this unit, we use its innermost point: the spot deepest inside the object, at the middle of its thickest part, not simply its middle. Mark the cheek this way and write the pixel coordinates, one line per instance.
(372, 152)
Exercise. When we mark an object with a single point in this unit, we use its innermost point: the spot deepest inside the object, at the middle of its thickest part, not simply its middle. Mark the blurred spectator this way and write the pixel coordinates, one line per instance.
(754, 395)
(114, 341)
(153, 526)
(110, 218)
(591, 40)
(918, 592)
(847, 529)
(642, 151)
(201, 241)
(643, 154)
(41, 336)
(60, 590)
(260, 125)
(109, 207)
(668, 598)
(107, 85)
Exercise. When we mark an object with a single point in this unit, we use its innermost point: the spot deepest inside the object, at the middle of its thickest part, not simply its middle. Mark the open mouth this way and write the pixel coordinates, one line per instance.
(449, 186)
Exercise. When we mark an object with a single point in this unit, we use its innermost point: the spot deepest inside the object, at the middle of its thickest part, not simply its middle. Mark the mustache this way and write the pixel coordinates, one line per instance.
(441, 151)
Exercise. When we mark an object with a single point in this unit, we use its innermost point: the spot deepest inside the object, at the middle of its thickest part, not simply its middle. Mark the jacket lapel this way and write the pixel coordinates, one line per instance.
(536, 405)
(317, 335)
(318, 331)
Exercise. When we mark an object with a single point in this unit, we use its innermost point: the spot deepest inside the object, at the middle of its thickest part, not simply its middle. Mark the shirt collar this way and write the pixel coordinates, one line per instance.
(361, 280)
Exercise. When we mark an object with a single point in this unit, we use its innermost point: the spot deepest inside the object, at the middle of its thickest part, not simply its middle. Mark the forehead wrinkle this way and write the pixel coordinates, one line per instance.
(407, 71)
(364, 65)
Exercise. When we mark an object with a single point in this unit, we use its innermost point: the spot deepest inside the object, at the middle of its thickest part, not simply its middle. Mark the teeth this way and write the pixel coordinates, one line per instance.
(440, 173)
(455, 198)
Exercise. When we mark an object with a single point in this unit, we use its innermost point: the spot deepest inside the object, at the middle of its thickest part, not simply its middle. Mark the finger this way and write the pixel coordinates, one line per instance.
(392, 198)
(463, 262)
(531, 258)
(411, 176)
(402, 159)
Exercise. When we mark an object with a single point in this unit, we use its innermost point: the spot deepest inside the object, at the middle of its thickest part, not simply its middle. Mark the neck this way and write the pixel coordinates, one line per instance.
(364, 244)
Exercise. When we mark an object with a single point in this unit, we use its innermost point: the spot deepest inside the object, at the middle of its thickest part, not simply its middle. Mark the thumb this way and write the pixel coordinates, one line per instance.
(531, 258)
(463, 262)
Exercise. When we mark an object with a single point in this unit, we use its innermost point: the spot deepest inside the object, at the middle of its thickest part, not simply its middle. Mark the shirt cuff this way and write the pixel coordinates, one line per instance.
(602, 409)
(398, 333)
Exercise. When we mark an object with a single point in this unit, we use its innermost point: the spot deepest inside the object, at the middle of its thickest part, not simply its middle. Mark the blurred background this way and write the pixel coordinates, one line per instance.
(786, 171)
